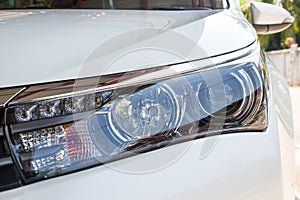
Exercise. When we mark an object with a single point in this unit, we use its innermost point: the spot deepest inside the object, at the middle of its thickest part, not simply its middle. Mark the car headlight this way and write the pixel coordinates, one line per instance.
(54, 131)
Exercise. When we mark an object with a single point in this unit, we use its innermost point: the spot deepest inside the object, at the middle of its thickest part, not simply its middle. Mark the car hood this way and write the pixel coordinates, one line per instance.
(53, 45)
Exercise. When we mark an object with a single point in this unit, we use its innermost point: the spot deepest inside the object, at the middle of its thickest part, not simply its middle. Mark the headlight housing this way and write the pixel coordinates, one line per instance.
(53, 129)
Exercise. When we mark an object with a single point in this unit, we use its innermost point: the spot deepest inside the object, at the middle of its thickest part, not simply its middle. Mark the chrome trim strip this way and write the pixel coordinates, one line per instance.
(44, 123)
(7, 94)
(15, 95)
(6, 161)
(52, 91)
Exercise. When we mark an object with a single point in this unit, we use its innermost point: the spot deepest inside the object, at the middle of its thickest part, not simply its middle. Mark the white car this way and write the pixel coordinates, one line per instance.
(142, 100)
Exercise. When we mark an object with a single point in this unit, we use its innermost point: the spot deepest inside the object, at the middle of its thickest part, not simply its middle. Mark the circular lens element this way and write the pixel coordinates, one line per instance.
(26, 113)
(229, 100)
(144, 113)
(74, 104)
(49, 109)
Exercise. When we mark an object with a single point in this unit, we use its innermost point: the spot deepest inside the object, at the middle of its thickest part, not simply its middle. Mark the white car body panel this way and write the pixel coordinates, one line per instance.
(246, 166)
(89, 51)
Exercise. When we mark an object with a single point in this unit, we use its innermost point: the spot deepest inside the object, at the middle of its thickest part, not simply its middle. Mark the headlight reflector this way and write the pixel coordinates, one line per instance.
(138, 118)
(145, 112)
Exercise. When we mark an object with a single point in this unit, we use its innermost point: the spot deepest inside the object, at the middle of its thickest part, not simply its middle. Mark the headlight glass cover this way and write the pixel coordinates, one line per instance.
(58, 134)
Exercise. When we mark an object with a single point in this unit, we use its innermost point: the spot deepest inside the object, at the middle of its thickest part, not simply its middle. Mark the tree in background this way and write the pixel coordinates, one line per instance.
(296, 25)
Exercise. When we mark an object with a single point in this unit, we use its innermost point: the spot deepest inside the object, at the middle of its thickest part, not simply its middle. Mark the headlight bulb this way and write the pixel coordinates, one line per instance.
(146, 112)
(26, 113)
(50, 109)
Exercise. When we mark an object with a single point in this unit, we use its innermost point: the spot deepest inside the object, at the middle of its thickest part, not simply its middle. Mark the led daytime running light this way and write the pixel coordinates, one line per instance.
(59, 107)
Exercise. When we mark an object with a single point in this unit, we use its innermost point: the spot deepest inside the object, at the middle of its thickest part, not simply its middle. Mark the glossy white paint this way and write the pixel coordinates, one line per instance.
(240, 166)
(280, 96)
(268, 14)
(44, 46)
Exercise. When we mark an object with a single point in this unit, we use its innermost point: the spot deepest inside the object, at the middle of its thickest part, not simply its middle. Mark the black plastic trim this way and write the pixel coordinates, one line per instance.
(9, 176)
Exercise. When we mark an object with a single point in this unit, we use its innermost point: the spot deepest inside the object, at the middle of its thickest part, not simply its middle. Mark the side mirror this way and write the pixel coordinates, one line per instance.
(269, 19)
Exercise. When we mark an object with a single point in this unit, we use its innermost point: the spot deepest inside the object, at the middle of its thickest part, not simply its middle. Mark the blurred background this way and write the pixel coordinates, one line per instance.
(282, 47)
(283, 50)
